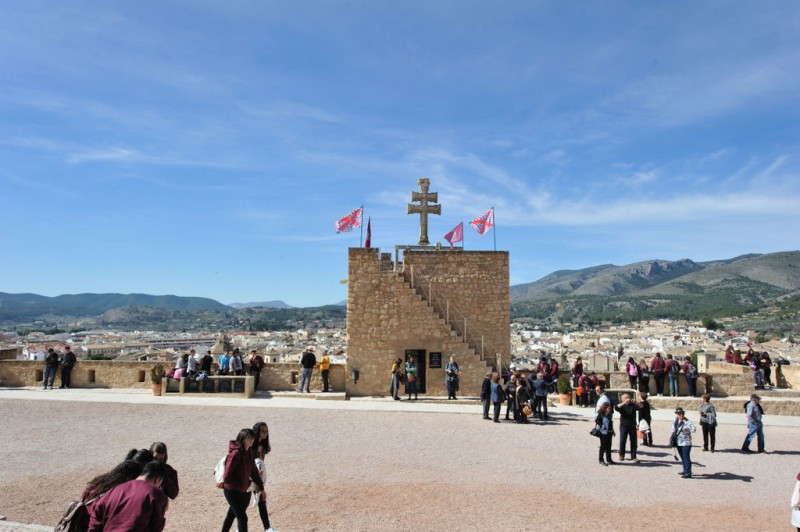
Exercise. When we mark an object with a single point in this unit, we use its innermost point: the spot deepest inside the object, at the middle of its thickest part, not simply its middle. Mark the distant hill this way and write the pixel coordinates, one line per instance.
(743, 286)
(665, 289)
(266, 304)
(20, 306)
(778, 270)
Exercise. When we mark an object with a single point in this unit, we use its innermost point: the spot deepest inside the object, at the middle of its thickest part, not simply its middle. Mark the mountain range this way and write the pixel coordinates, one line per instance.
(778, 270)
(643, 290)
(267, 304)
(664, 289)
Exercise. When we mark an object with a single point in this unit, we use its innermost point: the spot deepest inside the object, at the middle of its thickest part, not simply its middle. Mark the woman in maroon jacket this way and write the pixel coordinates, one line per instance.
(240, 469)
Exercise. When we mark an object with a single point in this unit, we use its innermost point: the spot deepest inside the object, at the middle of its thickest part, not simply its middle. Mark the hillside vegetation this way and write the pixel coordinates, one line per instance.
(756, 289)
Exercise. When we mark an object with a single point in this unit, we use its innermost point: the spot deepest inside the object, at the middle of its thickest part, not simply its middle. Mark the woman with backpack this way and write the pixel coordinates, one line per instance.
(77, 515)
(691, 376)
(240, 470)
(708, 422)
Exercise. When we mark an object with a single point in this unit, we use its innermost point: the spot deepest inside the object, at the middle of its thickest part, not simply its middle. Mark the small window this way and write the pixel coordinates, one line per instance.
(91, 375)
(39, 375)
(295, 376)
(141, 376)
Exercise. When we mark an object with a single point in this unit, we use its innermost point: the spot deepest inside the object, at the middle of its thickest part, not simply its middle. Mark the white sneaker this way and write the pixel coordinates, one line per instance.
(272, 530)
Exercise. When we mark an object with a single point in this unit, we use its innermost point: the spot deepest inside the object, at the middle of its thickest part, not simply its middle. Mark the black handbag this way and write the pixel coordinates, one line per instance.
(595, 432)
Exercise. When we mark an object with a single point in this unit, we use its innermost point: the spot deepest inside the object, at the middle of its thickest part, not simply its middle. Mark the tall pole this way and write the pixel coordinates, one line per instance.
(361, 238)
(494, 229)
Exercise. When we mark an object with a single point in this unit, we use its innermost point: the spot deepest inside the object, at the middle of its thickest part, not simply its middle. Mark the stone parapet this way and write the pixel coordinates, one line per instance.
(733, 383)
(113, 374)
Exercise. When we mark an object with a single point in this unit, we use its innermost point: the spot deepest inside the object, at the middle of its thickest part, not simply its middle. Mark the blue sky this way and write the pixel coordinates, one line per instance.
(205, 148)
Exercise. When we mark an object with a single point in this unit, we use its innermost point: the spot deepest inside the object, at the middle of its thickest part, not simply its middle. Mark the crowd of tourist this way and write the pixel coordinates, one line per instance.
(759, 363)
(135, 494)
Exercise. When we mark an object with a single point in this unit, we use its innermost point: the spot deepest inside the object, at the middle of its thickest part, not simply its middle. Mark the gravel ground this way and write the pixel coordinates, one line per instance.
(339, 470)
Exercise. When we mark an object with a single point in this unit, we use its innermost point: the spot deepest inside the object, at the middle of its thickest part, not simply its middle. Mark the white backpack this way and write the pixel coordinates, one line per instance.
(219, 471)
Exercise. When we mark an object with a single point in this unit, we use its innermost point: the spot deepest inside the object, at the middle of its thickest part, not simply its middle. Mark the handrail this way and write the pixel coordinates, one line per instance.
(452, 316)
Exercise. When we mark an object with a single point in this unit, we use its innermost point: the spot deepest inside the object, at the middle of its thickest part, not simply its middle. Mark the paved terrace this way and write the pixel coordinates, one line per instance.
(378, 464)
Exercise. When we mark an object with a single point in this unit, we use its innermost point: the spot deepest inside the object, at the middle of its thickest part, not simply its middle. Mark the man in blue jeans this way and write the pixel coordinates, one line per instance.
(755, 427)
(308, 361)
(673, 369)
(683, 429)
(50, 367)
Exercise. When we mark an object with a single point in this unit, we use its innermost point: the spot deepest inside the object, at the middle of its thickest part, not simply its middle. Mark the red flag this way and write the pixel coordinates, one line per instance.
(368, 241)
(484, 222)
(349, 222)
(456, 235)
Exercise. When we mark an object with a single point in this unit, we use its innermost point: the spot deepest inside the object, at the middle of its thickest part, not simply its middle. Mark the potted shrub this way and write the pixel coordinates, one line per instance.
(564, 387)
(156, 375)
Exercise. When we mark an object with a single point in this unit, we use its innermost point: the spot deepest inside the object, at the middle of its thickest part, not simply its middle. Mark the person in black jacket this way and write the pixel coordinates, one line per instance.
(486, 391)
(67, 363)
(511, 393)
(50, 367)
(308, 361)
(627, 425)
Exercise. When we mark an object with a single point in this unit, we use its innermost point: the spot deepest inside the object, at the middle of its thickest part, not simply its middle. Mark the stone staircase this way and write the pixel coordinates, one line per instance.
(469, 346)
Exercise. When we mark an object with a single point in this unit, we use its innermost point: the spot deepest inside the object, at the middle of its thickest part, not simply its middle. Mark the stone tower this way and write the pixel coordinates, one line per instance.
(222, 345)
(432, 304)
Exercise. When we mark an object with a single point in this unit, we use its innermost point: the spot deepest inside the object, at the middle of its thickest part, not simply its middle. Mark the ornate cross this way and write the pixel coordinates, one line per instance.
(424, 208)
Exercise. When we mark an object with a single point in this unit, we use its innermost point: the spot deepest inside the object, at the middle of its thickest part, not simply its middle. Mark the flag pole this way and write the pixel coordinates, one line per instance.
(361, 238)
(494, 229)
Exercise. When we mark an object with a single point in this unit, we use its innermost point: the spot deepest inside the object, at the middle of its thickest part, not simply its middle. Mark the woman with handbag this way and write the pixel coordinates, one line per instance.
(682, 430)
(605, 426)
(411, 377)
(523, 398)
(708, 422)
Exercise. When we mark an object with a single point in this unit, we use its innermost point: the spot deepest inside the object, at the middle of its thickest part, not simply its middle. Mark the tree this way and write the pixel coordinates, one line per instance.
(710, 324)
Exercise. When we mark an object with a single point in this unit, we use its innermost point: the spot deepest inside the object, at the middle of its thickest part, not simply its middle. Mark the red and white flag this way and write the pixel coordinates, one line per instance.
(456, 235)
(484, 222)
(368, 241)
(349, 222)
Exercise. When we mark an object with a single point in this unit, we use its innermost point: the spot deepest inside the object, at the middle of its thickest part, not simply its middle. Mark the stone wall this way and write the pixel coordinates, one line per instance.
(790, 377)
(725, 380)
(111, 374)
(385, 317)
